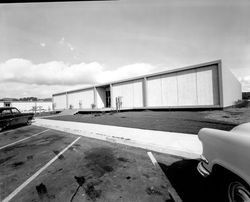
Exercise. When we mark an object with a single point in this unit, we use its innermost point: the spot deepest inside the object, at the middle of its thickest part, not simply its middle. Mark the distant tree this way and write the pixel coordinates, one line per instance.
(9, 99)
(47, 99)
(28, 99)
(246, 95)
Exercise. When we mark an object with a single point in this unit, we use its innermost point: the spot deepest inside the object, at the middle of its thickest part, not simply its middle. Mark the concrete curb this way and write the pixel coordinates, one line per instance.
(179, 144)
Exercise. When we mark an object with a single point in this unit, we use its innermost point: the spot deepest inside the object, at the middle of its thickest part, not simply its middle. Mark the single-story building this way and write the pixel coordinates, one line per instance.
(28, 106)
(207, 85)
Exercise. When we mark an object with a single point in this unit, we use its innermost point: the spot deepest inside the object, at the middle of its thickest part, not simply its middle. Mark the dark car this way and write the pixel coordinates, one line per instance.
(11, 116)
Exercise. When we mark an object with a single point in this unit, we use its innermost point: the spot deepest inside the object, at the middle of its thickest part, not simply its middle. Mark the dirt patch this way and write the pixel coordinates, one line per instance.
(153, 191)
(36, 142)
(100, 161)
(61, 157)
(92, 192)
(10, 148)
(5, 159)
(17, 164)
(146, 175)
(30, 157)
(80, 180)
(47, 140)
(41, 190)
(231, 115)
(89, 188)
(43, 193)
(122, 159)
(128, 178)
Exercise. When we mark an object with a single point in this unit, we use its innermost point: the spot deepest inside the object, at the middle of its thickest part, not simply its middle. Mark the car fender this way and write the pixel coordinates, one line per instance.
(228, 150)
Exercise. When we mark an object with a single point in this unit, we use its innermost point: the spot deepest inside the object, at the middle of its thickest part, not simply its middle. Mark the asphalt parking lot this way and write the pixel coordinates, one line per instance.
(33, 168)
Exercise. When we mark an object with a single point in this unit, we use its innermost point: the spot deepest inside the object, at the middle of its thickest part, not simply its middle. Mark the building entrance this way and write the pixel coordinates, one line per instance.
(108, 98)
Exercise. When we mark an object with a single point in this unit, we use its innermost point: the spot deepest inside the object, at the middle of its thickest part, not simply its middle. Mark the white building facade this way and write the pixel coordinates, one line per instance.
(28, 106)
(207, 85)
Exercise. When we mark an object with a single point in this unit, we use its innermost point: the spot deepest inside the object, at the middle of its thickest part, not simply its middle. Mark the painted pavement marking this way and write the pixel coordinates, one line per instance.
(18, 189)
(152, 158)
(23, 139)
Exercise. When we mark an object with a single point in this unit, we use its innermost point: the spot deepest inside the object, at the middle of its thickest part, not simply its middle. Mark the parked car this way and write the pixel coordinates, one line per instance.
(11, 116)
(226, 158)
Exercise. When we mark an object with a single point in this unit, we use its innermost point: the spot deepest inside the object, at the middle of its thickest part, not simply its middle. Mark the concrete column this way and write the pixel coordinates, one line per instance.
(67, 101)
(95, 97)
(144, 90)
(53, 105)
(219, 70)
(111, 95)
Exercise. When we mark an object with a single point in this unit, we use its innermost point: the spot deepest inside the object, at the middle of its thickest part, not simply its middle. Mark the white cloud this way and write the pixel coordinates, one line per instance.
(42, 44)
(63, 42)
(20, 77)
(18, 90)
(58, 73)
(70, 47)
(245, 82)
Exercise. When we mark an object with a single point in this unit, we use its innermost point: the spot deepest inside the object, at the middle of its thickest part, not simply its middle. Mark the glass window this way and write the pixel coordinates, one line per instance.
(15, 111)
(6, 111)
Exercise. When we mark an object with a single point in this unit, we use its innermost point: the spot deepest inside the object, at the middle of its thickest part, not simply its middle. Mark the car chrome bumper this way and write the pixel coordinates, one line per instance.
(202, 170)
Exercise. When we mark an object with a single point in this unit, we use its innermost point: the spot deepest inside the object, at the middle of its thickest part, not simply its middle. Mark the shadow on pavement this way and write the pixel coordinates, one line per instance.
(9, 128)
(187, 181)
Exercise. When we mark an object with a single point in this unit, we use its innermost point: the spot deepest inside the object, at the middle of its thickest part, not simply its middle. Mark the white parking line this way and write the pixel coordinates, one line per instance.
(23, 139)
(152, 158)
(172, 192)
(18, 189)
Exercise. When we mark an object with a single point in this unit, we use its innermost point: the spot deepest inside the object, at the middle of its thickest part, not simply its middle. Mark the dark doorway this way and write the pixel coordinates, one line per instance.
(108, 99)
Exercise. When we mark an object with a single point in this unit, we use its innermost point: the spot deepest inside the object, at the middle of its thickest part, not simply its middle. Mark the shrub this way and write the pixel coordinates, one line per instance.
(241, 103)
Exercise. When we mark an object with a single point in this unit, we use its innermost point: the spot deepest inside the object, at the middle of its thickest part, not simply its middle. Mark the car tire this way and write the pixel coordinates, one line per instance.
(237, 190)
(231, 188)
(28, 122)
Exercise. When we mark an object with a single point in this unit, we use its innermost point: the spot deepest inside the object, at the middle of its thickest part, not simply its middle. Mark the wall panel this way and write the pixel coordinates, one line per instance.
(138, 94)
(169, 90)
(154, 94)
(207, 86)
(60, 101)
(131, 93)
(231, 86)
(82, 99)
(186, 82)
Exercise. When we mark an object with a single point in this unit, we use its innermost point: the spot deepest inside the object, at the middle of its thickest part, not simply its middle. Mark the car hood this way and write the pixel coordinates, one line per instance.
(243, 129)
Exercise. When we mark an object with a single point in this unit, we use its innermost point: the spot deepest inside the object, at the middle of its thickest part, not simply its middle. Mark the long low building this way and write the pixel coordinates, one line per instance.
(28, 106)
(207, 85)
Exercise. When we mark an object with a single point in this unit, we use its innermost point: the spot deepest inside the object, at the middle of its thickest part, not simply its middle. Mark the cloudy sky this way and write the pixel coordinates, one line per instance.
(51, 47)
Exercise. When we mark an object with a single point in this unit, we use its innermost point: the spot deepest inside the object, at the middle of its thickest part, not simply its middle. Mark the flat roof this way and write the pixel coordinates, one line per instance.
(201, 65)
